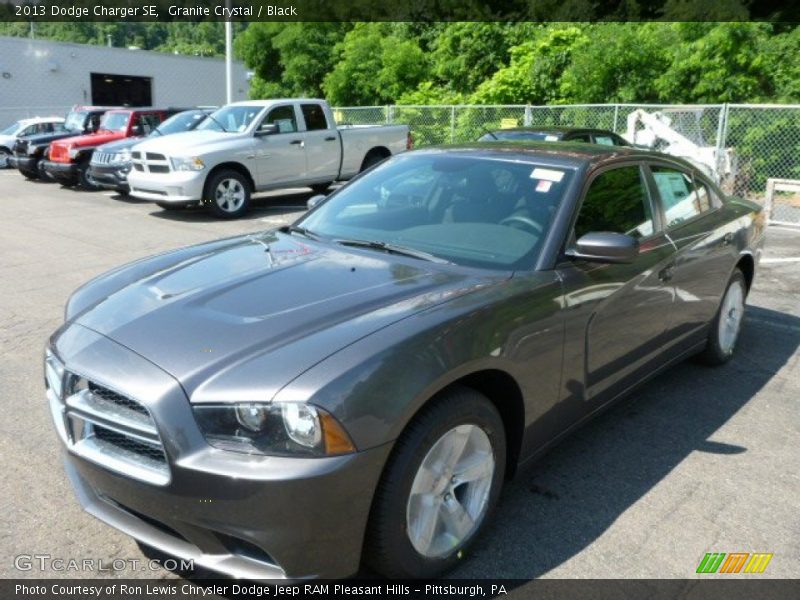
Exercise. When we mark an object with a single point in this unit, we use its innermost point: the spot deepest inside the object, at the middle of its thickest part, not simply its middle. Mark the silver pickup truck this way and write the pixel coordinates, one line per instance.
(254, 146)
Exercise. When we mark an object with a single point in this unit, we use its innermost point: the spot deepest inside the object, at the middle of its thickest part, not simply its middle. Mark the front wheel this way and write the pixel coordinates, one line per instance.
(85, 180)
(724, 331)
(228, 194)
(441, 482)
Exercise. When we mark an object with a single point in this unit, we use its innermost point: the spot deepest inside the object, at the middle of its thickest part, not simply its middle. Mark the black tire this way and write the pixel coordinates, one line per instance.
(84, 180)
(32, 175)
(372, 158)
(717, 350)
(321, 188)
(212, 190)
(388, 548)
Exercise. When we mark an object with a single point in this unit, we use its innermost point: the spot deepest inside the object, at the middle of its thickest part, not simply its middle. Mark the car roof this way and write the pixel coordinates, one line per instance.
(574, 154)
(271, 101)
(34, 120)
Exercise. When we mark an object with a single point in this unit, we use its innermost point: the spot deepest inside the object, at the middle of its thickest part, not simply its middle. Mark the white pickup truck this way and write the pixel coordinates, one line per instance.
(254, 146)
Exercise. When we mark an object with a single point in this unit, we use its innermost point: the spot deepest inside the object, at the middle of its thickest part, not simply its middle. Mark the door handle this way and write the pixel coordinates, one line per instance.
(667, 273)
(330, 139)
(297, 142)
(727, 239)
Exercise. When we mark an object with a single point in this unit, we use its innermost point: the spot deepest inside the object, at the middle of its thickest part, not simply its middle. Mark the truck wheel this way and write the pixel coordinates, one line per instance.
(227, 194)
(372, 158)
(4, 156)
(321, 188)
(440, 484)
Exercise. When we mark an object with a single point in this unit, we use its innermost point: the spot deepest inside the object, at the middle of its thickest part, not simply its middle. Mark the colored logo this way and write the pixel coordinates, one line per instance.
(735, 562)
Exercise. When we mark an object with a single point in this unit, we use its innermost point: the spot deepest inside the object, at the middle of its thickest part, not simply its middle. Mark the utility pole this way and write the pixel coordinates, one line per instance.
(228, 57)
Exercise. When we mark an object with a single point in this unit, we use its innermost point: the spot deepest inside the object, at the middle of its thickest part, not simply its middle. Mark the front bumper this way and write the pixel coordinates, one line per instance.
(179, 187)
(245, 516)
(65, 173)
(110, 178)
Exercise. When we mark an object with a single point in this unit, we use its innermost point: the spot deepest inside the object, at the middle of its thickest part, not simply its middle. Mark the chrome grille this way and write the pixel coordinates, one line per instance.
(103, 158)
(104, 426)
(150, 162)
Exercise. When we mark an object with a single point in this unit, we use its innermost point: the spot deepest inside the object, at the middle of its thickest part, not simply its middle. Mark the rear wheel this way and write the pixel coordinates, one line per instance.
(724, 331)
(372, 158)
(440, 484)
(321, 188)
(228, 194)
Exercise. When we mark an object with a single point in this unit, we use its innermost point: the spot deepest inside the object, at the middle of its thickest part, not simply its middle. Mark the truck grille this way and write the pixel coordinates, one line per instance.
(20, 148)
(150, 162)
(103, 158)
(105, 427)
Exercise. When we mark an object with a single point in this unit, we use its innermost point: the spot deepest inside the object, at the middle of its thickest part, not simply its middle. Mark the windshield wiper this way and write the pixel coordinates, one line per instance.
(393, 249)
(218, 123)
(298, 229)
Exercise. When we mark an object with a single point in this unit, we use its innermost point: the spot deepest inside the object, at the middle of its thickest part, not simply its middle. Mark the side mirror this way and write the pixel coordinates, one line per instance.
(267, 129)
(315, 200)
(605, 246)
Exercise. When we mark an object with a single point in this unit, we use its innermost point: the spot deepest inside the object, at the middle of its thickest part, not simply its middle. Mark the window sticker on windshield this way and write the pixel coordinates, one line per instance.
(543, 186)
(551, 138)
(548, 174)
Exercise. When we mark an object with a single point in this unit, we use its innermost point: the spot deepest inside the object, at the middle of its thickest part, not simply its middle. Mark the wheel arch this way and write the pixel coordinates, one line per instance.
(232, 166)
(747, 266)
(380, 152)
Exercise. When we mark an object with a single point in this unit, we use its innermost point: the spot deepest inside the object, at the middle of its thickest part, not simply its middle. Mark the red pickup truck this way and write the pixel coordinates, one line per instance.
(68, 158)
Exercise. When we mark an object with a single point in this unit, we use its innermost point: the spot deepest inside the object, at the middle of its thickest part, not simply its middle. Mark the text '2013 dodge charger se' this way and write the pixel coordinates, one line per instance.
(360, 383)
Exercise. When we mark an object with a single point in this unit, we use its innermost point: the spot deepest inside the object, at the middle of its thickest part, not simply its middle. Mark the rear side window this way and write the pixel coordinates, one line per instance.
(314, 116)
(616, 201)
(680, 199)
(607, 140)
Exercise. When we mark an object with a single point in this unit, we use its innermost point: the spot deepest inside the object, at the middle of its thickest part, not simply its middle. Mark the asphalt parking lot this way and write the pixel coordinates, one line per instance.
(699, 460)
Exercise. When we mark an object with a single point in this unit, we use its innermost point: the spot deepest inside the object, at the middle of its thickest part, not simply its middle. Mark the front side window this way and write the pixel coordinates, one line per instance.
(314, 116)
(468, 210)
(617, 201)
(283, 117)
(680, 199)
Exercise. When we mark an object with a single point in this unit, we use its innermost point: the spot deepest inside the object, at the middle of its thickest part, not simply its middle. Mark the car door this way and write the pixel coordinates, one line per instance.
(280, 157)
(616, 314)
(323, 148)
(696, 223)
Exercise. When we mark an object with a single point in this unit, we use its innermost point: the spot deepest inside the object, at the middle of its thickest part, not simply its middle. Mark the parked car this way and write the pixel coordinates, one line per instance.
(9, 135)
(68, 159)
(257, 145)
(111, 162)
(30, 150)
(555, 134)
(359, 384)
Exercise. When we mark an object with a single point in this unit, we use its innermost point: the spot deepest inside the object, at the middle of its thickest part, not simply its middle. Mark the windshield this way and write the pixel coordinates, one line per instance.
(520, 135)
(75, 121)
(115, 121)
(473, 211)
(184, 121)
(11, 129)
(231, 118)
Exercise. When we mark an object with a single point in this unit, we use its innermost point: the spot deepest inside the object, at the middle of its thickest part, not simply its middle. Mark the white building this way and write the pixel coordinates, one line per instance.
(40, 77)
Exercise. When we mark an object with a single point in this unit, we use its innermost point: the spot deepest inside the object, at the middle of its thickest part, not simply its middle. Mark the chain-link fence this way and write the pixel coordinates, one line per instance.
(741, 146)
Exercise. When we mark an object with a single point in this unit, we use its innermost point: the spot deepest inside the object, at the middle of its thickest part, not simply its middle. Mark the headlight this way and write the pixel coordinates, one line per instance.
(53, 373)
(187, 163)
(122, 157)
(276, 429)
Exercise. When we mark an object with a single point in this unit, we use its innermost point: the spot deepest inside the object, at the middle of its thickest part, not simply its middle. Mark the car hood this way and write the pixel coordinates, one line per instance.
(39, 139)
(192, 143)
(7, 140)
(279, 301)
(120, 145)
(91, 139)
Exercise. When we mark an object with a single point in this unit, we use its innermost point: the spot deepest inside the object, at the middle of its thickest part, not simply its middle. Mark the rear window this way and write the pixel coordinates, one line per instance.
(314, 116)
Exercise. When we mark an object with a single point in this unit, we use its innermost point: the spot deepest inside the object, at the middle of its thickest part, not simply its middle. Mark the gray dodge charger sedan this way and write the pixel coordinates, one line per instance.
(355, 388)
